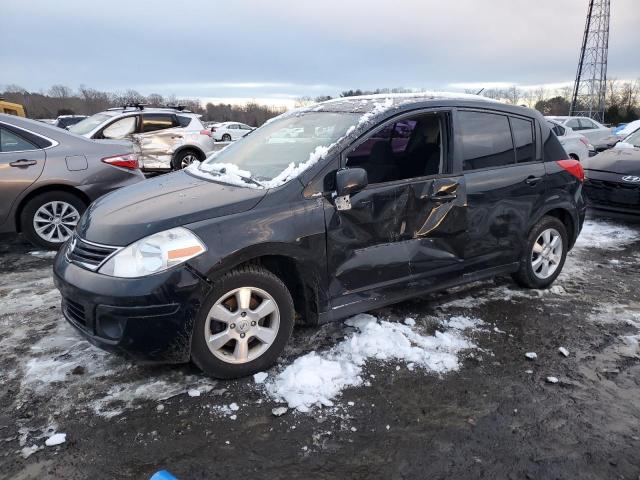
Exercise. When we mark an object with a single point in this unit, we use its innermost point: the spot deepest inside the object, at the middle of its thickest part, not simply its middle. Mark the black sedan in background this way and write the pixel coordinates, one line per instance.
(613, 179)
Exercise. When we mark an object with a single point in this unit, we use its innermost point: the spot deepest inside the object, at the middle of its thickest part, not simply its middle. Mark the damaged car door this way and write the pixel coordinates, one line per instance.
(408, 223)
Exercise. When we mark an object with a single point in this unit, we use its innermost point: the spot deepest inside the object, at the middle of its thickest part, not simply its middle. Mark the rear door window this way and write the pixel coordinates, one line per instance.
(152, 122)
(10, 142)
(485, 139)
(523, 139)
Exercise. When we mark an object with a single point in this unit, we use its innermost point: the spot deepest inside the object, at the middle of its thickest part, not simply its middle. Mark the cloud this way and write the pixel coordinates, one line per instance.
(282, 48)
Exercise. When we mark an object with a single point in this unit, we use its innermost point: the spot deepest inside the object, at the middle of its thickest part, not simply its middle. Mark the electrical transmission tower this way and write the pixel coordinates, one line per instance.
(591, 79)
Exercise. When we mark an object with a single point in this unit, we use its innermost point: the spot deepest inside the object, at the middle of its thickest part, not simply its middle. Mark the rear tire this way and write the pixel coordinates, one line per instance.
(232, 340)
(48, 219)
(226, 137)
(184, 158)
(544, 254)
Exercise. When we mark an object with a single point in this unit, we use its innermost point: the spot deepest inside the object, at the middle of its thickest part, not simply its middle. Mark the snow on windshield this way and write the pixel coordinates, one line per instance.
(270, 156)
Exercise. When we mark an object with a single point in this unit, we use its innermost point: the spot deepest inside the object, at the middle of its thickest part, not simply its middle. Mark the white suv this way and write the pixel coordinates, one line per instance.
(170, 138)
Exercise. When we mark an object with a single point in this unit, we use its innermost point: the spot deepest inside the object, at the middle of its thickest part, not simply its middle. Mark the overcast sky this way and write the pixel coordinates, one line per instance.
(277, 50)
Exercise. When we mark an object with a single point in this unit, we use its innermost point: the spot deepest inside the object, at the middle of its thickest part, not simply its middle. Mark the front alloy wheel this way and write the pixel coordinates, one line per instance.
(243, 324)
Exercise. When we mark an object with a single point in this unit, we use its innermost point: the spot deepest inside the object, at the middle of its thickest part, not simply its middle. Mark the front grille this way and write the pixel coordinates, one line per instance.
(74, 311)
(614, 194)
(89, 255)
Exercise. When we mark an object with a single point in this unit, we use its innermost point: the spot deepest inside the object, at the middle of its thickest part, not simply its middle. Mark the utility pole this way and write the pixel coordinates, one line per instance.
(591, 79)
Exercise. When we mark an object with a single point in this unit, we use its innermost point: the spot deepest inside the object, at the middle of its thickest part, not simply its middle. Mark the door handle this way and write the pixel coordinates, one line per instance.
(532, 181)
(443, 197)
(22, 163)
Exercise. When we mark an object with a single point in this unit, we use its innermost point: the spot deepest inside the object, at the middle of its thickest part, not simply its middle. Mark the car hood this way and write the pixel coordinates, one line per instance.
(616, 160)
(160, 203)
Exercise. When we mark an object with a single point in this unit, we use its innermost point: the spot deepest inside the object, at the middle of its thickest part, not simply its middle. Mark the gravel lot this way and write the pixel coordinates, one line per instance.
(491, 413)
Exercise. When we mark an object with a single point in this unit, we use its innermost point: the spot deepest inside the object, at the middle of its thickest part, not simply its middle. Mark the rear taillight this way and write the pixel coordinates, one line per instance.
(205, 132)
(573, 167)
(586, 142)
(129, 161)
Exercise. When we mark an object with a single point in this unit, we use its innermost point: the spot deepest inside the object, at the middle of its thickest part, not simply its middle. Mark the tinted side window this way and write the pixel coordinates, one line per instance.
(486, 140)
(557, 129)
(408, 148)
(152, 122)
(523, 138)
(184, 121)
(10, 142)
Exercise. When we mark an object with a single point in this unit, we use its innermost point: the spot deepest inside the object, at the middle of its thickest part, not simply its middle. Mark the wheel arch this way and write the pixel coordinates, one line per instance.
(45, 189)
(201, 154)
(567, 219)
(302, 280)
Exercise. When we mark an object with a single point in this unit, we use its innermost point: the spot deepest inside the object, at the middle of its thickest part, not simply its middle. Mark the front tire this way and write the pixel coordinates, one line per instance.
(48, 219)
(243, 325)
(544, 254)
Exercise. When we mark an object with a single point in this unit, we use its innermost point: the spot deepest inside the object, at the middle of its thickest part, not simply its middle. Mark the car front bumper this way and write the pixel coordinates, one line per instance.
(149, 319)
(605, 191)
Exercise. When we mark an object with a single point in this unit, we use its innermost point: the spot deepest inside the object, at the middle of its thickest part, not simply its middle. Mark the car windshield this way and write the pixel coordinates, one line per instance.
(279, 150)
(89, 123)
(633, 139)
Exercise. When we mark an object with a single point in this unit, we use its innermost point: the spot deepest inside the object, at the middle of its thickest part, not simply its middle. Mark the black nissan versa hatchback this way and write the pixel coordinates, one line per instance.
(321, 213)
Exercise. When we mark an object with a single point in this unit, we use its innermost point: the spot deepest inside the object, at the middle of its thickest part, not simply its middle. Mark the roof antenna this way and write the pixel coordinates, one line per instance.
(480, 91)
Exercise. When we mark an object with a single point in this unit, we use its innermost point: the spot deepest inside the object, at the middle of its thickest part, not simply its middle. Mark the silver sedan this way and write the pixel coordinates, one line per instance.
(48, 177)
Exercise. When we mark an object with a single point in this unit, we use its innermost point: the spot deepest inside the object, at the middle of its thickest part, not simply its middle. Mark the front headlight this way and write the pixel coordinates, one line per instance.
(154, 254)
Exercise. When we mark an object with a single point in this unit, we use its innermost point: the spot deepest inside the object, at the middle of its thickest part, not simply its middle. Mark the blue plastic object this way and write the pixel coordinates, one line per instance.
(162, 475)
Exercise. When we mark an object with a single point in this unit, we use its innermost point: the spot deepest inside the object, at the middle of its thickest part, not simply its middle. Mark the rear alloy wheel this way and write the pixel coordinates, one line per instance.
(48, 220)
(184, 158)
(226, 137)
(544, 255)
(244, 324)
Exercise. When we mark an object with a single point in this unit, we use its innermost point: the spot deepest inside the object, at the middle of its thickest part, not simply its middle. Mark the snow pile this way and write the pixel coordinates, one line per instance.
(315, 379)
(605, 235)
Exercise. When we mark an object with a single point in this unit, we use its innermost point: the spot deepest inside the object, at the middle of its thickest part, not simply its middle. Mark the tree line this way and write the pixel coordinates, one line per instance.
(62, 100)
(622, 101)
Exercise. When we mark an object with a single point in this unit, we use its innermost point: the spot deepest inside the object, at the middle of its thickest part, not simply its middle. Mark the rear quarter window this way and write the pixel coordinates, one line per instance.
(523, 138)
(184, 121)
(485, 139)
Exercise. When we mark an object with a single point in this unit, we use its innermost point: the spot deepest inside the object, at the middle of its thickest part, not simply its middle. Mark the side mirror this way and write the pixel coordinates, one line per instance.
(350, 181)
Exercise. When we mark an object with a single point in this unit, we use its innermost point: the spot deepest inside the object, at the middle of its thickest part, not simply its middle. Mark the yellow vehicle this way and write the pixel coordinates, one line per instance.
(11, 108)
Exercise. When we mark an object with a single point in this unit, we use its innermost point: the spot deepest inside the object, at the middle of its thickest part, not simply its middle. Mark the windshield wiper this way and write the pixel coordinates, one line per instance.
(223, 171)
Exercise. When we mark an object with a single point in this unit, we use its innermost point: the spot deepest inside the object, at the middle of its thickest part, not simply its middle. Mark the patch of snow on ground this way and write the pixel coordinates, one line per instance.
(316, 379)
(606, 235)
